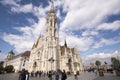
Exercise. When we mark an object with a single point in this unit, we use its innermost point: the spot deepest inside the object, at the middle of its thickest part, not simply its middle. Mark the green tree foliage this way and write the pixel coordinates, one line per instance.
(98, 63)
(9, 68)
(69, 64)
(115, 63)
(76, 64)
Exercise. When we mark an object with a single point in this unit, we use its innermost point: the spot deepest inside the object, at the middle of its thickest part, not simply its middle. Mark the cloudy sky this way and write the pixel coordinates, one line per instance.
(92, 26)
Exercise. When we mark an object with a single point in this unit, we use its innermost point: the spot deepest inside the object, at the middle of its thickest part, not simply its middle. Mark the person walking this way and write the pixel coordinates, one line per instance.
(22, 75)
(75, 75)
(64, 75)
(57, 73)
(27, 75)
(50, 75)
(95, 71)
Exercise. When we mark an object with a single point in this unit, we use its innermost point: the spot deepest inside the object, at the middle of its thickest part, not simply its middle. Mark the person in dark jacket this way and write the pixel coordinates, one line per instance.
(22, 75)
(57, 73)
(50, 75)
(27, 75)
(64, 75)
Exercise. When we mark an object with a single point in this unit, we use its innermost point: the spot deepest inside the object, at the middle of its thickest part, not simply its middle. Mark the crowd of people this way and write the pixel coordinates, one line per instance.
(24, 74)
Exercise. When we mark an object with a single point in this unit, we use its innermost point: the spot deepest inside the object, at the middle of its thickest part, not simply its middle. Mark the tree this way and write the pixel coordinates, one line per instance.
(76, 64)
(1, 67)
(69, 64)
(115, 63)
(98, 63)
(9, 68)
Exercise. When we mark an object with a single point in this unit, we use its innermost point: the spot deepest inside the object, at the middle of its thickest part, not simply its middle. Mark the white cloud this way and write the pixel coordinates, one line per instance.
(88, 14)
(16, 7)
(29, 33)
(81, 43)
(22, 8)
(80, 14)
(20, 43)
(29, 8)
(89, 33)
(106, 42)
(101, 57)
(29, 36)
(39, 11)
(31, 21)
(110, 26)
(10, 2)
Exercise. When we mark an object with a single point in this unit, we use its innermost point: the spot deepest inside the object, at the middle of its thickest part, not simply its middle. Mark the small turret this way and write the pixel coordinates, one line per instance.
(65, 44)
(10, 55)
(33, 46)
(52, 8)
(39, 41)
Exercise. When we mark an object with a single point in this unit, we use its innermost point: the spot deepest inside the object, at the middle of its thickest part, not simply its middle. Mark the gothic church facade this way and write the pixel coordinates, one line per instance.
(46, 54)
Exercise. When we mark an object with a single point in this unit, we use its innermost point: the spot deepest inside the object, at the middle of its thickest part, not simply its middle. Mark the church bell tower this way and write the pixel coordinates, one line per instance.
(46, 52)
(51, 38)
(51, 23)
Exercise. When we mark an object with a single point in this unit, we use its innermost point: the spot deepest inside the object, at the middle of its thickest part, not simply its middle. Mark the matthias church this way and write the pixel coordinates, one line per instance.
(46, 54)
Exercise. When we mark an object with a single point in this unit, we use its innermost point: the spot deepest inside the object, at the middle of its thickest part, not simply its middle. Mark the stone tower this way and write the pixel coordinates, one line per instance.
(45, 52)
(51, 37)
(10, 55)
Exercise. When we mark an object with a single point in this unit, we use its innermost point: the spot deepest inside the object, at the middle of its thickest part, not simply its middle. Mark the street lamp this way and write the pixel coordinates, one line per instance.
(51, 61)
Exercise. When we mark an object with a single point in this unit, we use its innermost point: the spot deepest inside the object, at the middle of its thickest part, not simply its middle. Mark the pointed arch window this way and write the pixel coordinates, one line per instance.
(50, 22)
(54, 22)
(35, 64)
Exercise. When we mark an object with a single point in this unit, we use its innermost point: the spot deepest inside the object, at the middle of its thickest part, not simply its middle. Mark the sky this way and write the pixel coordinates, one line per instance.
(91, 26)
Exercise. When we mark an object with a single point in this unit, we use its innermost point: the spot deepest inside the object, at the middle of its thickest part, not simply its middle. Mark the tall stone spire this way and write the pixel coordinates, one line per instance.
(51, 23)
(65, 44)
(48, 46)
(52, 7)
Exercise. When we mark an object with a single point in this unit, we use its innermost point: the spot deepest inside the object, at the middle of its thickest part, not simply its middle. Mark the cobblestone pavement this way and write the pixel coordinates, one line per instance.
(108, 76)
(82, 76)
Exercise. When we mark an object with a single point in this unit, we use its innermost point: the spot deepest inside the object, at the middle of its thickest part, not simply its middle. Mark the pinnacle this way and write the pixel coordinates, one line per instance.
(52, 7)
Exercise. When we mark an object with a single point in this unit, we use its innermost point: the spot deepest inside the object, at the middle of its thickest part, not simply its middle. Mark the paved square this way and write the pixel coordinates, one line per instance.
(82, 76)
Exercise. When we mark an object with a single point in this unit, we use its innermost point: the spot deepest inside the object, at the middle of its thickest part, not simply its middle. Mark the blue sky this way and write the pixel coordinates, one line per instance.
(92, 26)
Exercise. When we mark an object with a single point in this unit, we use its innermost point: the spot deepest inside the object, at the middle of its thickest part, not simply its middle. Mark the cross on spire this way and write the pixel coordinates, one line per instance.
(65, 44)
(52, 6)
